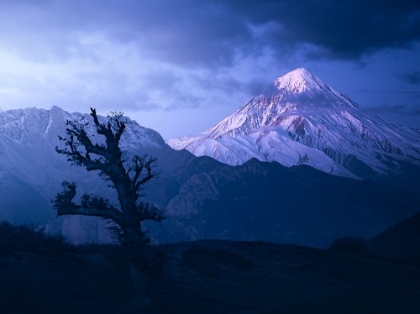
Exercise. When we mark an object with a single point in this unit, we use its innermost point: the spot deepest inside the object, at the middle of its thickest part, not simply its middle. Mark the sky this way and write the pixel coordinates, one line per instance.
(181, 66)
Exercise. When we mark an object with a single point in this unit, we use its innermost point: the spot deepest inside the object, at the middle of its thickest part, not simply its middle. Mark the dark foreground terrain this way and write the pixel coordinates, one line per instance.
(42, 275)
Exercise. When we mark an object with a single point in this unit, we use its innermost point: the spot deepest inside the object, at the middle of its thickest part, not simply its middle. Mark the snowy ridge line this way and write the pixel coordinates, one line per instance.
(299, 115)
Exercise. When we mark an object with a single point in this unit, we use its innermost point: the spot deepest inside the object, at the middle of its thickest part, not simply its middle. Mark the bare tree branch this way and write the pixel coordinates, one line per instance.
(91, 205)
(149, 212)
(128, 178)
(141, 177)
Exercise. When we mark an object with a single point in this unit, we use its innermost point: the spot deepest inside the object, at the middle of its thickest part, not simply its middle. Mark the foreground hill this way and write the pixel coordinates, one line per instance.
(205, 277)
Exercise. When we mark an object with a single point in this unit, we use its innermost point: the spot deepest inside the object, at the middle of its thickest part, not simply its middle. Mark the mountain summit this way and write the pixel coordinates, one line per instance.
(202, 197)
(299, 119)
(299, 81)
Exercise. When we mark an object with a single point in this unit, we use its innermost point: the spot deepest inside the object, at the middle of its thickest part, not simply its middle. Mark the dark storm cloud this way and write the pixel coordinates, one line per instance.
(345, 29)
(411, 77)
(213, 32)
(179, 55)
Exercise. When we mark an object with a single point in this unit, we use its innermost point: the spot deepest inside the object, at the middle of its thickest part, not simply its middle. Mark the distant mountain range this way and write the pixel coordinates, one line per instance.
(300, 120)
(31, 171)
(254, 200)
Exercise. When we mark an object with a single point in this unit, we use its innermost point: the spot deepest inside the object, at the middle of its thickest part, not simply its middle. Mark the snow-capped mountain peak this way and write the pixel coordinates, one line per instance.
(297, 81)
(296, 94)
(305, 90)
(30, 126)
(299, 119)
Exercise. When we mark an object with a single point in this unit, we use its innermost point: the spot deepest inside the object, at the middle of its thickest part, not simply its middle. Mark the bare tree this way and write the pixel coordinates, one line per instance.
(128, 178)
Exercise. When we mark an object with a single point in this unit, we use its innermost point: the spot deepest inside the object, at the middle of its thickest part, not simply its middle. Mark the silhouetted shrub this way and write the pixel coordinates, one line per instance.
(30, 238)
(351, 245)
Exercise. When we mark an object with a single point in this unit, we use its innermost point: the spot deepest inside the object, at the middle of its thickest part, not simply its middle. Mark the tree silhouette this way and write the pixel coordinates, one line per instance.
(128, 178)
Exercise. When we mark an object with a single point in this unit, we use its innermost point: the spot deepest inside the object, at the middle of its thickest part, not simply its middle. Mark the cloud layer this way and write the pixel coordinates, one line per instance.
(166, 55)
(213, 32)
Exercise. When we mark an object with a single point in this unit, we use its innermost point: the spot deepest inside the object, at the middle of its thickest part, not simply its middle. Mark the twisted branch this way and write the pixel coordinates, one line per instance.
(91, 205)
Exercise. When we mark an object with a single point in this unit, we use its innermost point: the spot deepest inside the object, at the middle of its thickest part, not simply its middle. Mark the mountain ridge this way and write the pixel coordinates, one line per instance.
(203, 198)
(300, 119)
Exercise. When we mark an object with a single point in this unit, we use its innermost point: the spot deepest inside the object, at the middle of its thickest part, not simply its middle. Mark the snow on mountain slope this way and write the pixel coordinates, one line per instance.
(264, 201)
(32, 125)
(28, 138)
(299, 119)
(31, 171)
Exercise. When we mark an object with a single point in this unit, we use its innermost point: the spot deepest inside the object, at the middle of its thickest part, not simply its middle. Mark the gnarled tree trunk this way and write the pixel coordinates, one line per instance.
(128, 179)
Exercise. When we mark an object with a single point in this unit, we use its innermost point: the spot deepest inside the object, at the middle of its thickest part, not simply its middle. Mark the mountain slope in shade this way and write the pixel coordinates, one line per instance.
(31, 171)
(270, 202)
(399, 242)
(20, 203)
(28, 138)
(298, 120)
(203, 197)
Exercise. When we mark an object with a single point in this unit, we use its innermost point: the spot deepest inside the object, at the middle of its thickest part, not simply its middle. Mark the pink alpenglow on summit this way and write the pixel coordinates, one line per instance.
(299, 119)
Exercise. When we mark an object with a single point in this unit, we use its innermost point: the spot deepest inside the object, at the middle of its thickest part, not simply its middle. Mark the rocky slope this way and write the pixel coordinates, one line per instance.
(31, 171)
(399, 242)
(270, 202)
(202, 197)
(298, 120)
